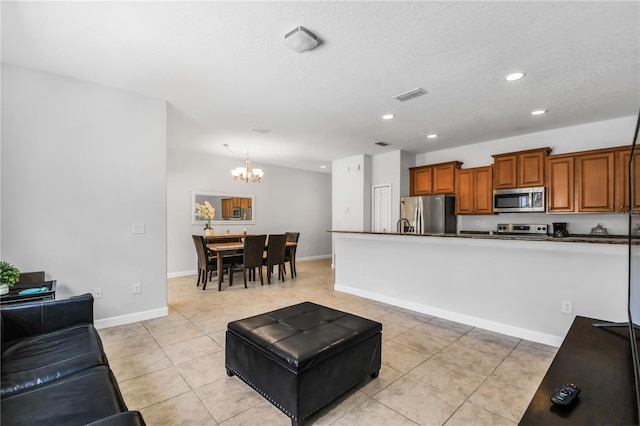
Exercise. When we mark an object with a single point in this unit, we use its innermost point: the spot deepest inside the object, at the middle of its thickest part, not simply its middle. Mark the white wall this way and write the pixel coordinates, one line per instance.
(601, 134)
(81, 163)
(513, 287)
(351, 193)
(393, 168)
(286, 200)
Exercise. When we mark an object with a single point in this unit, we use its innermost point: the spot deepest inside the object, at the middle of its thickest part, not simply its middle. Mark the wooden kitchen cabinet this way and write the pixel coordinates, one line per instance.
(244, 203)
(227, 208)
(622, 181)
(520, 169)
(595, 181)
(561, 183)
(433, 179)
(228, 204)
(421, 180)
(474, 191)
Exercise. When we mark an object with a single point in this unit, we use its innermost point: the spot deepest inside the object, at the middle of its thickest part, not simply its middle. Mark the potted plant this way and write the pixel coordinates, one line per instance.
(9, 275)
(207, 212)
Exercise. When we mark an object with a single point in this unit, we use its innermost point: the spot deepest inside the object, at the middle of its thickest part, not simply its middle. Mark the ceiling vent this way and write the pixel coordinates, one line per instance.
(381, 143)
(406, 96)
(258, 130)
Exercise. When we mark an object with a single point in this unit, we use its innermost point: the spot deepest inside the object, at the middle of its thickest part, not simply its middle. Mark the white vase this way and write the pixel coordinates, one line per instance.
(4, 289)
(208, 232)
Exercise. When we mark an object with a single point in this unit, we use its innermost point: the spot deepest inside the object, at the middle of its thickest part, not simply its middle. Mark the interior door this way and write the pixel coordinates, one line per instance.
(382, 209)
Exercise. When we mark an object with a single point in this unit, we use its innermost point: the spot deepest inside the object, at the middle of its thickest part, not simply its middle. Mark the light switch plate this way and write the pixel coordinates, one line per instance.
(137, 228)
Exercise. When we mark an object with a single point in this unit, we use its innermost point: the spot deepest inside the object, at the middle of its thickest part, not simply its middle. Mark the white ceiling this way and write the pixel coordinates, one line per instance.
(224, 66)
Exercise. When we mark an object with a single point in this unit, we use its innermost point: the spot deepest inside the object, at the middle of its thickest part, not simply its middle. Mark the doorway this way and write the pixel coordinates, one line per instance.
(381, 203)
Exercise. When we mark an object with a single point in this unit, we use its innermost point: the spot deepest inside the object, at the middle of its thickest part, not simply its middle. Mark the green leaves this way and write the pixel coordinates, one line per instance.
(9, 274)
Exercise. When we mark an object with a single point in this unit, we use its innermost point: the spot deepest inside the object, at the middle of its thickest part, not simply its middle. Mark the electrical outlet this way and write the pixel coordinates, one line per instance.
(137, 288)
(137, 228)
(97, 293)
(567, 307)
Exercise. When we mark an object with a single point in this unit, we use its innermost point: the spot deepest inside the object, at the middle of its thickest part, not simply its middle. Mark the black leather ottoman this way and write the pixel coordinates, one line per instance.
(302, 357)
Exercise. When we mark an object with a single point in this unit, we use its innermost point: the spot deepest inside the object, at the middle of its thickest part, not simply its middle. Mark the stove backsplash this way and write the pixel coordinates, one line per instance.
(616, 224)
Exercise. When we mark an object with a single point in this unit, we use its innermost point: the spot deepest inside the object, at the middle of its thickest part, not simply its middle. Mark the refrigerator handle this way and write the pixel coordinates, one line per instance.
(418, 220)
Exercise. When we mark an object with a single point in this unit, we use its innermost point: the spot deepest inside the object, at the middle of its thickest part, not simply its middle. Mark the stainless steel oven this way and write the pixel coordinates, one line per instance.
(519, 200)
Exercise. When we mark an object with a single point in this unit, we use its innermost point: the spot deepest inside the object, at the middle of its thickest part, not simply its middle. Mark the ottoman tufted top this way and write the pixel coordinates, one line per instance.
(305, 334)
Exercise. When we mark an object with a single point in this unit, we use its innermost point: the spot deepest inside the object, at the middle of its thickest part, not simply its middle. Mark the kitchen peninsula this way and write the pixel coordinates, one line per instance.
(511, 285)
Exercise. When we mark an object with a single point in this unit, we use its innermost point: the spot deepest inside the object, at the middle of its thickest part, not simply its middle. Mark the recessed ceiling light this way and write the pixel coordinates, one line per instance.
(432, 135)
(515, 76)
(323, 167)
(388, 116)
(539, 112)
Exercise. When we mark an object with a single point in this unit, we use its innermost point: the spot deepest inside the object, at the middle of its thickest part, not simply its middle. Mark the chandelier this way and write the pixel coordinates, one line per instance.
(246, 174)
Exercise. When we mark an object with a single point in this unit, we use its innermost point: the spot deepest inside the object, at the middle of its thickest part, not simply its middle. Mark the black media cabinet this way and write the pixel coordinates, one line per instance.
(599, 362)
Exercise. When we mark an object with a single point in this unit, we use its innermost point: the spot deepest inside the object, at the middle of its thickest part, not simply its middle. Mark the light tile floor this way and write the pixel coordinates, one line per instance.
(434, 371)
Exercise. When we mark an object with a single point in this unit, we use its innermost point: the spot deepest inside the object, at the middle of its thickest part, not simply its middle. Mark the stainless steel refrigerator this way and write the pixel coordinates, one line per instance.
(430, 214)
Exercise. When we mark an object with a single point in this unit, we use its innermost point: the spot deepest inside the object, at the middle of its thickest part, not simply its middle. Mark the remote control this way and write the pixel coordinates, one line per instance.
(565, 394)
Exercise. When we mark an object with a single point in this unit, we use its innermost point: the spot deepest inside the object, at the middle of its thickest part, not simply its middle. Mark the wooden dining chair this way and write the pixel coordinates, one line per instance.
(275, 255)
(290, 252)
(252, 256)
(207, 265)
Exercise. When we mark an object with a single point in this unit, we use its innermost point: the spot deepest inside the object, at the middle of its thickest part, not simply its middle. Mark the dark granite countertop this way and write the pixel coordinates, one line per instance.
(608, 239)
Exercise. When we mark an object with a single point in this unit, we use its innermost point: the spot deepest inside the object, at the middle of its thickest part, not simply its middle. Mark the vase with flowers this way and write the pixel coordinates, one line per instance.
(207, 212)
(9, 275)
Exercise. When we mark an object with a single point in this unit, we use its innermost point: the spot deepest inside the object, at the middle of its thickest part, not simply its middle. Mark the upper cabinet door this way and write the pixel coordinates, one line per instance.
(464, 191)
(421, 180)
(505, 171)
(622, 181)
(595, 182)
(483, 190)
(444, 178)
(561, 181)
(531, 168)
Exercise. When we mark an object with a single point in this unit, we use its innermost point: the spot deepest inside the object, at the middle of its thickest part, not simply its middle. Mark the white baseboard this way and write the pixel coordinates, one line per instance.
(131, 318)
(182, 274)
(509, 330)
(322, 256)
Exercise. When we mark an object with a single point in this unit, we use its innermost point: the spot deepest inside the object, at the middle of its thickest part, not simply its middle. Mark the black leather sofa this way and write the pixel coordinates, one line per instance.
(53, 367)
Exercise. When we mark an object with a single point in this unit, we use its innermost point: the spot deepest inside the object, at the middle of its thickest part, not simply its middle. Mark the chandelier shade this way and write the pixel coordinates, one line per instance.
(247, 174)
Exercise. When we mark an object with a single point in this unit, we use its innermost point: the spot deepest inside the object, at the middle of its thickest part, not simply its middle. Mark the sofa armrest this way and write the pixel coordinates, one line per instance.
(26, 319)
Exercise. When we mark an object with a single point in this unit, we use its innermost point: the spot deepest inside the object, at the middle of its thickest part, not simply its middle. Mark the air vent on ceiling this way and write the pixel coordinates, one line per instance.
(258, 130)
(406, 96)
(381, 143)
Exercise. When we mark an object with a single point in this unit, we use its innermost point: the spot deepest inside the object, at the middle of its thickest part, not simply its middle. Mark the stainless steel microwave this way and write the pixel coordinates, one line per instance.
(519, 200)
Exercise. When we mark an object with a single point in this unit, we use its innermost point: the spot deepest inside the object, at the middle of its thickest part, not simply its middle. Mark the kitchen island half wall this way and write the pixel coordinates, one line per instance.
(514, 287)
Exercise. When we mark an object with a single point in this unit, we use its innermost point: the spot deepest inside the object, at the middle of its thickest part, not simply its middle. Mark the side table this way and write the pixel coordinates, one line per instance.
(14, 295)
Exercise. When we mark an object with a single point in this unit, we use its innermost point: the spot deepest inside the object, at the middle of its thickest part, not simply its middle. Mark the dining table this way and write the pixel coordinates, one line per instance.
(232, 249)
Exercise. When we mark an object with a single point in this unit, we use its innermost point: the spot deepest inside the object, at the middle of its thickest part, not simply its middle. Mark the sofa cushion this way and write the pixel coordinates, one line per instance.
(39, 359)
(83, 398)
